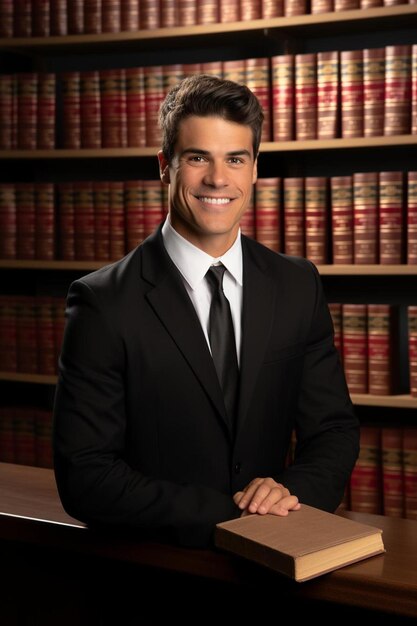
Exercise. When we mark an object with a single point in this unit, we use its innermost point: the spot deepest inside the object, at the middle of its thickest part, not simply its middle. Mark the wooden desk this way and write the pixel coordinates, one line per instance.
(31, 516)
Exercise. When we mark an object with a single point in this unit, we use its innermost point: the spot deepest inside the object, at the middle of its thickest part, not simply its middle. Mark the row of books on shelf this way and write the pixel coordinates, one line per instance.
(384, 479)
(323, 95)
(25, 435)
(368, 339)
(364, 218)
(31, 333)
(26, 18)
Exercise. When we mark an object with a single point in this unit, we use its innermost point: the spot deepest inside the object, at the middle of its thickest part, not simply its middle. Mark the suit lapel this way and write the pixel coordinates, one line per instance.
(172, 305)
(257, 315)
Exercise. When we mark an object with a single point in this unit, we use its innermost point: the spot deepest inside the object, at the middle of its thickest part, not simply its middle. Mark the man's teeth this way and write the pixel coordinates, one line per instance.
(214, 200)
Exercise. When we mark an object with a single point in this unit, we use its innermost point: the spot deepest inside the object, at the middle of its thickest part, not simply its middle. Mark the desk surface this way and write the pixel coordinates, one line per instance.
(31, 512)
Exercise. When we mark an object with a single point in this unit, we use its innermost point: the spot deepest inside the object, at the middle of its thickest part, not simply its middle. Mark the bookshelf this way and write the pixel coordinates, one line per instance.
(237, 40)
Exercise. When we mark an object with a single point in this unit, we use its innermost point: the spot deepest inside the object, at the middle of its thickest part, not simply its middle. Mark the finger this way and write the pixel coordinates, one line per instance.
(249, 492)
(263, 492)
(238, 496)
(274, 496)
(286, 504)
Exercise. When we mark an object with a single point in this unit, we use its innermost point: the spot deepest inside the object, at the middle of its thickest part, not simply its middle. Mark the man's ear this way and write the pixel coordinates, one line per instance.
(163, 168)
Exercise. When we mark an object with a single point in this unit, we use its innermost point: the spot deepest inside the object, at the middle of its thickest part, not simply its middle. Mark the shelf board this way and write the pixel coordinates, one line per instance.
(367, 270)
(270, 146)
(401, 401)
(184, 36)
(39, 379)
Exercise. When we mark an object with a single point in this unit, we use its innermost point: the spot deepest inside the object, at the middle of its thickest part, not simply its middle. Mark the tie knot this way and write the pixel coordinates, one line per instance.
(215, 276)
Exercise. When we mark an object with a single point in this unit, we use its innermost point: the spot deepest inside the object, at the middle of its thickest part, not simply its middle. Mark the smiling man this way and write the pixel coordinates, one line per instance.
(187, 365)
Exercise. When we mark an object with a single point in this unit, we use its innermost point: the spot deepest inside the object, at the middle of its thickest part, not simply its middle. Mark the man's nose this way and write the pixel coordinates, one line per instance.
(216, 174)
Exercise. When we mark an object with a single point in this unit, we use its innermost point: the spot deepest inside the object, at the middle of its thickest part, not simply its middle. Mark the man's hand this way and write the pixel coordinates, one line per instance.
(264, 495)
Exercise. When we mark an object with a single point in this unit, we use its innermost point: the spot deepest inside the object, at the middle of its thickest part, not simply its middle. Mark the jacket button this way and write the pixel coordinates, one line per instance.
(237, 468)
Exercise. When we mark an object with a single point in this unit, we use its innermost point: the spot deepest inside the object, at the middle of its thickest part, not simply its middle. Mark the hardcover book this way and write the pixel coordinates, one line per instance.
(305, 544)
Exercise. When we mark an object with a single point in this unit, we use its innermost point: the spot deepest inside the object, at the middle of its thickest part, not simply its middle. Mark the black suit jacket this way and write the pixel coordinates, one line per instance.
(141, 437)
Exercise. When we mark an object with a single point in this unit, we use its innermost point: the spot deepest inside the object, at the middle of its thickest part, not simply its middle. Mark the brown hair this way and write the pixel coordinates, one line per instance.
(205, 95)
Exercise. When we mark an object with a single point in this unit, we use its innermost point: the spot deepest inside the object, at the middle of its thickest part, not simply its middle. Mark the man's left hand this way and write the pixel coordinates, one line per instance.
(264, 495)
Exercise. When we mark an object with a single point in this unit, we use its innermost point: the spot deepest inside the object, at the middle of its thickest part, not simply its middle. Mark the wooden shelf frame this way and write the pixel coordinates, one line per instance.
(311, 145)
(393, 16)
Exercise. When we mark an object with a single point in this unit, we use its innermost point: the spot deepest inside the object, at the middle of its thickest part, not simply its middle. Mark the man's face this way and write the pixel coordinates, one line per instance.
(211, 177)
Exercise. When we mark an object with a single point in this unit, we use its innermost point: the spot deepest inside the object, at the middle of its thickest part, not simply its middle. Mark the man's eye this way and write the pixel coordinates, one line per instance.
(197, 158)
(235, 160)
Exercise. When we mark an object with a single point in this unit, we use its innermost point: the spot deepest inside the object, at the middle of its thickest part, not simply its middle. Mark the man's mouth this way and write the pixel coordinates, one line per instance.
(211, 200)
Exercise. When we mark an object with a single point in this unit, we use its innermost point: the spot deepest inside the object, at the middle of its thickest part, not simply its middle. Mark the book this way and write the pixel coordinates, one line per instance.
(305, 544)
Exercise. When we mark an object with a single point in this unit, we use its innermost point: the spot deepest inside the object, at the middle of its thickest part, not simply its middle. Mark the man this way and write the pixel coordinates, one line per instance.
(149, 433)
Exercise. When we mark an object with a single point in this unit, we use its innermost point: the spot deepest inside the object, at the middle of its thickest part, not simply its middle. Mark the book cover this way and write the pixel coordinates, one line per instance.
(305, 544)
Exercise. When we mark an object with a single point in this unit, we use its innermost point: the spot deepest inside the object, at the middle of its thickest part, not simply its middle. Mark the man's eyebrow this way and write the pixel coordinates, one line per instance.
(242, 152)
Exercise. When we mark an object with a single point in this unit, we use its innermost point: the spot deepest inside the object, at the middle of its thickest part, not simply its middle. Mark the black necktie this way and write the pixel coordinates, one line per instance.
(222, 339)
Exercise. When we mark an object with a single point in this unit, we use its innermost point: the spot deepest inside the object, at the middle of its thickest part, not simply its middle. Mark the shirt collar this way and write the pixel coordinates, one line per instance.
(194, 263)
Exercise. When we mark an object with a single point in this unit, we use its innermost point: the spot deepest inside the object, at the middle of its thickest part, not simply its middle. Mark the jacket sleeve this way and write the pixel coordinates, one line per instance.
(327, 430)
(95, 483)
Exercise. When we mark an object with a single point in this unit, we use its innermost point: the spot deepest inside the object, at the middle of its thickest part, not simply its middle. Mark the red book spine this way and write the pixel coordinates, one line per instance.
(101, 220)
(66, 235)
(410, 472)
(92, 16)
(250, 10)
(397, 90)
(414, 89)
(365, 482)
(135, 213)
(76, 17)
(46, 112)
(26, 335)
(282, 68)
(321, 6)
(8, 334)
(8, 225)
(135, 107)
(351, 72)
(305, 96)
(214, 68)
(71, 114)
(229, 10)
(150, 17)
(187, 12)
(27, 107)
(84, 221)
(7, 89)
(355, 350)
(22, 20)
(272, 8)
(113, 108)
(391, 217)
(154, 95)
(316, 218)
(412, 348)
(412, 218)
(365, 217)
(45, 221)
(117, 220)
(152, 205)
(295, 7)
(90, 110)
(26, 221)
(268, 212)
(58, 17)
(383, 342)
(45, 335)
(373, 91)
(392, 472)
(258, 80)
(169, 17)
(327, 94)
(129, 16)
(342, 219)
(110, 16)
(247, 221)
(294, 237)
(207, 12)
(40, 18)
(6, 18)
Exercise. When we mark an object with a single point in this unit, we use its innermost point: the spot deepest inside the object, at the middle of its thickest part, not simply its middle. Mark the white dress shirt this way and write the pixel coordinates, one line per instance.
(193, 265)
